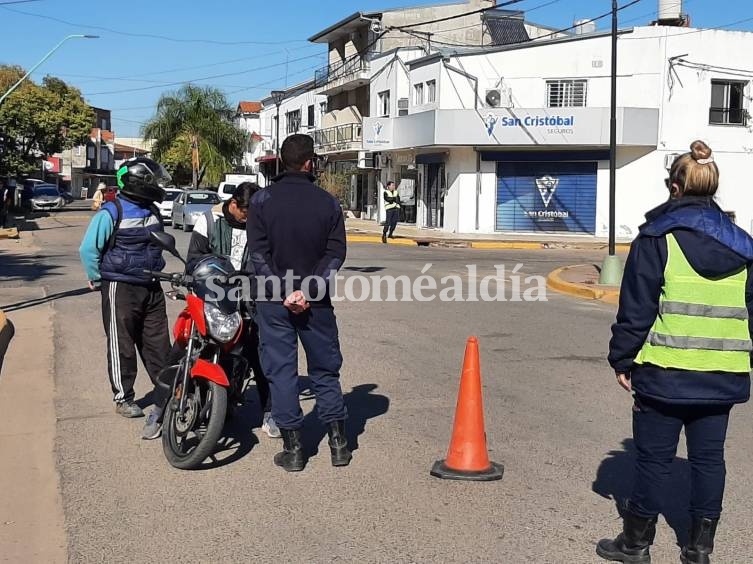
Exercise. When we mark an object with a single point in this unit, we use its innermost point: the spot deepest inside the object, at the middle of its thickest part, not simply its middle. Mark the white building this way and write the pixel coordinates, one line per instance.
(300, 111)
(516, 138)
(248, 120)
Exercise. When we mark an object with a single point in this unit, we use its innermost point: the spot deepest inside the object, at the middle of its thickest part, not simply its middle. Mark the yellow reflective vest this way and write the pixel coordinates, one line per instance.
(390, 194)
(702, 323)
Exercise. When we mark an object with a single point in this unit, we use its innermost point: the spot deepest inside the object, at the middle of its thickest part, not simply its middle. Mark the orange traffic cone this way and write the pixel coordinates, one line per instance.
(467, 457)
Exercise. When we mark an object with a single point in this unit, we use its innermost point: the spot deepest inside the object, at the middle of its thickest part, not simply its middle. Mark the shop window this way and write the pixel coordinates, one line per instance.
(566, 93)
(431, 91)
(727, 97)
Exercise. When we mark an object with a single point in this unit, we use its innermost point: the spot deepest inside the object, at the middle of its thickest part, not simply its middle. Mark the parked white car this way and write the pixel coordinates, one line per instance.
(166, 206)
(225, 191)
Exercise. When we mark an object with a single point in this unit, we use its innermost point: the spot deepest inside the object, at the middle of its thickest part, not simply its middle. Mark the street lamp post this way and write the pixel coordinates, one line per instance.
(277, 96)
(47, 56)
(611, 270)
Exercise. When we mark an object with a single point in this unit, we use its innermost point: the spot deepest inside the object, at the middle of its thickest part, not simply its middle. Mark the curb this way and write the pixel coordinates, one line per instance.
(378, 239)
(465, 243)
(554, 281)
(11, 233)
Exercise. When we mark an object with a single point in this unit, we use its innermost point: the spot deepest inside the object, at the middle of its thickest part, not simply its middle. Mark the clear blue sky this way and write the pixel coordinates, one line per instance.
(265, 33)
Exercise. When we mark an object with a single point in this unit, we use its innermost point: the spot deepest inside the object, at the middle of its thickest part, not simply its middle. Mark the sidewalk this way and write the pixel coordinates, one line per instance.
(32, 527)
(366, 231)
(582, 280)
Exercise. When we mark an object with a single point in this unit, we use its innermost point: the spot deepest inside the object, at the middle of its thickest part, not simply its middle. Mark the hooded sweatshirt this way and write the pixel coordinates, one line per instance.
(715, 247)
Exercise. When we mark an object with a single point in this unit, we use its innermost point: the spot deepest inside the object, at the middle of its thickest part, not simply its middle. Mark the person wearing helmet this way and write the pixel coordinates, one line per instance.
(222, 231)
(116, 251)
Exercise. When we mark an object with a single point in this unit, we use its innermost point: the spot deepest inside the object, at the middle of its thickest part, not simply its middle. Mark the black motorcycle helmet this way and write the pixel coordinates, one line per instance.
(140, 178)
(217, 268)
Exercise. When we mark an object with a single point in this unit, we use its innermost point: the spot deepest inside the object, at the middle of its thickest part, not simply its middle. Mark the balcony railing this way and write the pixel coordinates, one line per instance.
(337, 71)
(334, 138)
(728, 116)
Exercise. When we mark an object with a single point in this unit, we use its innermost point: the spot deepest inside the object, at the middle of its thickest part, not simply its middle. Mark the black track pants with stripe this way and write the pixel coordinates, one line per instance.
(135, 318)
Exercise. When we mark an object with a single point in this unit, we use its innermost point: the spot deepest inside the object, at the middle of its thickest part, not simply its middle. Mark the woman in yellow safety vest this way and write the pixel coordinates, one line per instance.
(682, 344)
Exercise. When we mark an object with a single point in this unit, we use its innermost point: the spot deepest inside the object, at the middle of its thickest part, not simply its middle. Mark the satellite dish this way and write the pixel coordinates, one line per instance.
(376, 26)
(493, 98)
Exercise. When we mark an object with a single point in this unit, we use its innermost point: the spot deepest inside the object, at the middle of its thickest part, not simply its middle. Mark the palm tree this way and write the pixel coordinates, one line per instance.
(202, 116)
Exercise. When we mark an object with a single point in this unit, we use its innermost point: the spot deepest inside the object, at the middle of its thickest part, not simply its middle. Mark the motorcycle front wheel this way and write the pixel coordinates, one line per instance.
(189, 439)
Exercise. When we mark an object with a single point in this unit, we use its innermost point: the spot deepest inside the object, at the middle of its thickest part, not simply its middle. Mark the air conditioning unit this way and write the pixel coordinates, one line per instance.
(669, 159)
(366, 160)
(402, 104)
(493, 98)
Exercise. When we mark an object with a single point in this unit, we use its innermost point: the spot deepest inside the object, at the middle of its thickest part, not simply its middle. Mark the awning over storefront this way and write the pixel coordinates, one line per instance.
(516, 127)
(266, 159)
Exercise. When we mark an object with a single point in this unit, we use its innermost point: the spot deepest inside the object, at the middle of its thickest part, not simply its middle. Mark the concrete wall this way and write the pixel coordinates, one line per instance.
(296, 102)
(644, 81)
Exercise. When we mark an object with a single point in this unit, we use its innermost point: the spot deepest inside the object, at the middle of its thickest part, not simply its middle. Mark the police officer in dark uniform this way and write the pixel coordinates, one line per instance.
(297, 229)
(115, 252)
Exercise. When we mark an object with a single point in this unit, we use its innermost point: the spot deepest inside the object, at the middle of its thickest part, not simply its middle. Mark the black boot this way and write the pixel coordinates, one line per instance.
(701, 542)
(384, 237)
(632, 545)
(338, 444)
(291, 458)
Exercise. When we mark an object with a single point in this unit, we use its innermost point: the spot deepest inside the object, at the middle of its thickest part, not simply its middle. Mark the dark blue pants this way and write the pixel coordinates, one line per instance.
(389, 225)
(279, 331)
(656, 432)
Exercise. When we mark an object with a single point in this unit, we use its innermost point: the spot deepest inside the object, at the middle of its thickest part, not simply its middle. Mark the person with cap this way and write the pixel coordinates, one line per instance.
(116, 251)
(296, 235)
(682, 345)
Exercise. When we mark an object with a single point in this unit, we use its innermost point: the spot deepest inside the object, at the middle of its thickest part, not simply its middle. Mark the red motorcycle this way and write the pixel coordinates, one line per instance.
(206, 371)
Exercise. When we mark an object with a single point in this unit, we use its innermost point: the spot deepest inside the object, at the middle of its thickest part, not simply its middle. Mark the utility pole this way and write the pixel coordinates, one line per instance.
(611, 270)
(278, 96)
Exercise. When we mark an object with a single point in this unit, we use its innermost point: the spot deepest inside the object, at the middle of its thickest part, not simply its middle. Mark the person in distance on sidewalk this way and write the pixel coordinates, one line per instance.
(392, 205)
(682, 344)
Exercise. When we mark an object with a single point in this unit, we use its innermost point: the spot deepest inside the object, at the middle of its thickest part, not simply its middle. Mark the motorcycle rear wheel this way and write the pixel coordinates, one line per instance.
(191, 452)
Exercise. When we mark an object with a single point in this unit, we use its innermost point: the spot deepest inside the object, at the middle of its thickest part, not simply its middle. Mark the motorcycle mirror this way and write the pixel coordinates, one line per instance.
(167, 242)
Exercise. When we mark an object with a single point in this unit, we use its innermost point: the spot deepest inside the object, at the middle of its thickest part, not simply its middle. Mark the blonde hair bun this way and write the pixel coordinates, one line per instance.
(701, 152)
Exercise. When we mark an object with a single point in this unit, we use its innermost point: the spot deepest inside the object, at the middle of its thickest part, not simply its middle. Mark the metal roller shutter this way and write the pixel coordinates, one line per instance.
(546, 196)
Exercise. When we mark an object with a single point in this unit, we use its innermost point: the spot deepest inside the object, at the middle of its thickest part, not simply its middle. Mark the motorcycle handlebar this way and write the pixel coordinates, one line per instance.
(175, 277)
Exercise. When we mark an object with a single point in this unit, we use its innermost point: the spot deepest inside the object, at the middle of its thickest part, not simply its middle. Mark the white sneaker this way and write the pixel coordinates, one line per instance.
(270, 427)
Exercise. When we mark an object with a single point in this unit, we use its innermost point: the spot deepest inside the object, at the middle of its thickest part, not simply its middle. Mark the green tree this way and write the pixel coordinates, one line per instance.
(39, 120)
(193, 129)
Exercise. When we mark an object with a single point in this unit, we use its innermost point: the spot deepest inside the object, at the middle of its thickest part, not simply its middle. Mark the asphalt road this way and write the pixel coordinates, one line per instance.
(555, 419)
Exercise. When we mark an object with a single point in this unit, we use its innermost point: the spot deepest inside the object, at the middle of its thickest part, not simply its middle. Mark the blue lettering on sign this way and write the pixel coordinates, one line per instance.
(538, 121)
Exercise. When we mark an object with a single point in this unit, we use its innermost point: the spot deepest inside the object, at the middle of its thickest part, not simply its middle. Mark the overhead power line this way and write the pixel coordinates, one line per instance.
(212, 77)
(136, 77)
(149, 35)
(528, 11)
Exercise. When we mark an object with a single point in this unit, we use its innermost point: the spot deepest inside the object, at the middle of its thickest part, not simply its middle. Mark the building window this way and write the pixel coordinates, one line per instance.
(431, 91)
(103, 124)
(566, 93)
(323, 107)
(418, 91)
(402, 107)
(727, 98)
(311, 116)
(294, 121)
(384, 104)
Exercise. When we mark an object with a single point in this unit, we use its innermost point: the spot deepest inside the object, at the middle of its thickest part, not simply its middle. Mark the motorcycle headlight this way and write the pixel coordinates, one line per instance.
(222, 326)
